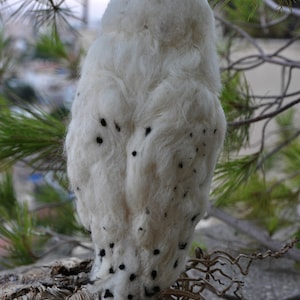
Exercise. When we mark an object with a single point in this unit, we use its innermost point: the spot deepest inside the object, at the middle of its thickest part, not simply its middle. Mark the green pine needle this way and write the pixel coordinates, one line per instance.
(31, 136)
(20, 238)
(232, 174)
(8, 201)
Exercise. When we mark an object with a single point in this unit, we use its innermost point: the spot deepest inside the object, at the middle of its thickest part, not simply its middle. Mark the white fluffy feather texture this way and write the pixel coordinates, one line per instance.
(142, 144)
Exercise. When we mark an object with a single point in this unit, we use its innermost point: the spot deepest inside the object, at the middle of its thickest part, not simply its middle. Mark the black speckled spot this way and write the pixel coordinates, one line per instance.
(78, 94)
(130, 297)
(204, 131)
(175, 188)
(117, 126)
(195, 171)
(215, 131)
(148, 293)
(103, 122)
(180, 165)
(99, 140)
(134, 153)
(194, 218)
(156, 251)
(147, 130)
(204, 144)
(111, 270)
(151, 292)
(147, 211)
(197, 150)
(111, 245)
(141, 228)
(78, 188)
(153, 274)
(166, 215)
(102, 252)
(122, 267)
(185, 194)
(182, 246)
(175, 264)
(132, 277)
(191, 134)
(108, 294)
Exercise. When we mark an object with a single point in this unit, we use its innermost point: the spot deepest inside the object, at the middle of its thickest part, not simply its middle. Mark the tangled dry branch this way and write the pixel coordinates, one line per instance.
(217, 272)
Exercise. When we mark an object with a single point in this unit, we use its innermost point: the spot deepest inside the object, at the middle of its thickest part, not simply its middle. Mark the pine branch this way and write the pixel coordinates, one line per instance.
(32, 136)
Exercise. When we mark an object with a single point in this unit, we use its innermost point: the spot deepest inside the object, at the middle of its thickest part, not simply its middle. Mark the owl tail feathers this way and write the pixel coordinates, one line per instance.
(120, 274)
(116, 285)
(115, 273)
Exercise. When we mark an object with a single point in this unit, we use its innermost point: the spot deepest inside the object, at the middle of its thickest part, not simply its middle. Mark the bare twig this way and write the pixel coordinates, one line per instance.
(278, 148)
(288, 10)
(265, 116)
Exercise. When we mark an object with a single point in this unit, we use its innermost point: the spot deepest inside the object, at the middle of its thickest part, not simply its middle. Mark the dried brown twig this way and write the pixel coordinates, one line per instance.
(217, 272)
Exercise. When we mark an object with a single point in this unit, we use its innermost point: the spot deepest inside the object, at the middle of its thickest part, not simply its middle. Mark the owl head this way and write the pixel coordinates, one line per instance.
(169, 21)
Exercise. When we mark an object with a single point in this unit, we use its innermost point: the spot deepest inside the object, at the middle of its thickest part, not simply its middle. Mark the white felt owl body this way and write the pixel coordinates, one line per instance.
(143, 140)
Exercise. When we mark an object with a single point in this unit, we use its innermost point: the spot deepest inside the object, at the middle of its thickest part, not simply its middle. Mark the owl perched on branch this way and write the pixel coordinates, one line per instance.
(143, 141)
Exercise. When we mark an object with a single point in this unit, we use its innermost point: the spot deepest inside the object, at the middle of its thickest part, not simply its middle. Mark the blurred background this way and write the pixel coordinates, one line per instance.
(257, 180)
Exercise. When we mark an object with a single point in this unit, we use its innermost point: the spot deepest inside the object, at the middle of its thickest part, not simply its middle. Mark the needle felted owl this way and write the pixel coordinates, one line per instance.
(143, 140)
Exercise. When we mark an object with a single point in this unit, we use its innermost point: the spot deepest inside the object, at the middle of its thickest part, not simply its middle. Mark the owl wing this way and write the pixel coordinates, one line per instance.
(170, 163)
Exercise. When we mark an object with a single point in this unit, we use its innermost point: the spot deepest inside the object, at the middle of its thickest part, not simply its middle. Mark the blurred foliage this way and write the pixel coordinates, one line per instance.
(17, 91)
(48, 48)
(32, 136)
(55, 205)
(263, 183)
(224, 3)
(256, 18)
(51, 47)
(8, 200)
(269, 195)
(232, 174)
(16, 230)
(22, 229)
(7, 58)
(236, 101)
(52, 14)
